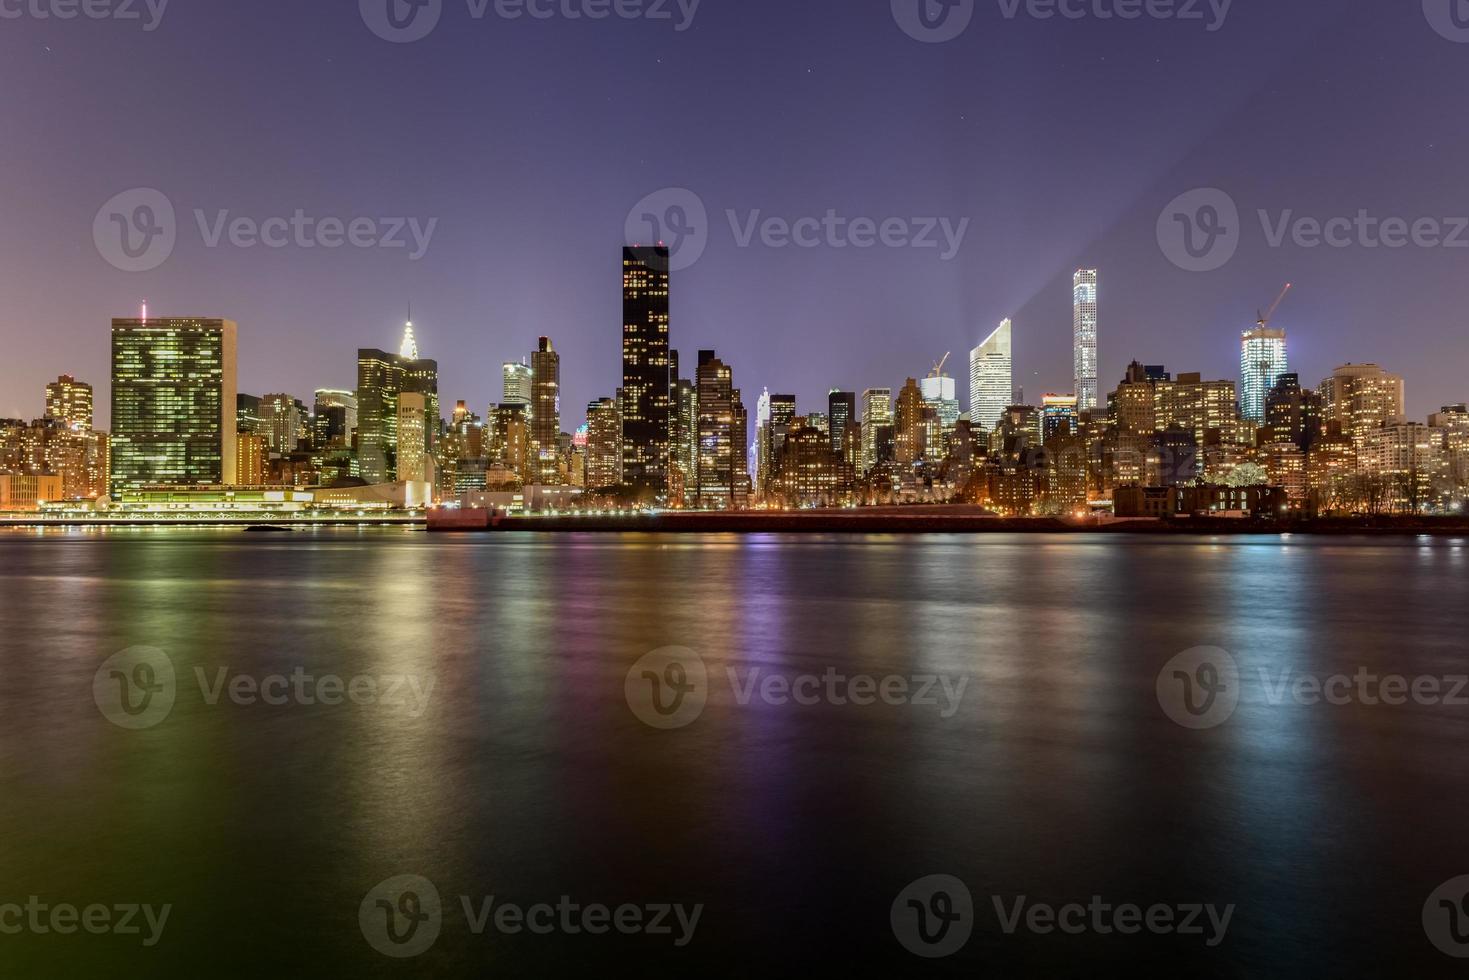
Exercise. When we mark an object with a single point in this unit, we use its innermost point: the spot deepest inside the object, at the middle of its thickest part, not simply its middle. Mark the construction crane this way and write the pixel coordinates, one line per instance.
(938, 369)
(1265, 318)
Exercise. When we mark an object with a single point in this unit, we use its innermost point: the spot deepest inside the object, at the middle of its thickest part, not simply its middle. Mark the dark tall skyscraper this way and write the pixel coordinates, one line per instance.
(545, 413)
(646, 424)
(1294, 414)
(842, 413)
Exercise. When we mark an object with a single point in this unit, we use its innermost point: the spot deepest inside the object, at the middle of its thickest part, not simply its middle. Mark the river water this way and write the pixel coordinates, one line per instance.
(787, 737)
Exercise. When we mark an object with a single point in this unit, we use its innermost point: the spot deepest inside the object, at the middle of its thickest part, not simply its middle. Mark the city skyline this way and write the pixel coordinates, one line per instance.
(514, 378)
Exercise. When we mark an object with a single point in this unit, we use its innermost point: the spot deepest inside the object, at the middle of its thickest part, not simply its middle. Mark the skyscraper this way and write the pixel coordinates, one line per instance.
(334, 418)
(1084, 337)
(604, 444)
(1058, 411)
(877, 414)
(777, 413)
(942, 393)
(991, 377)
(646, 426)
(281, 420)
(721, 436)
(381, 378)
(545, 414)
(69, 401)
(173, 402)
(412, 442)
(1262, 360)
(1363, 397)
(517, 384)
(910, 431)
(842, 413)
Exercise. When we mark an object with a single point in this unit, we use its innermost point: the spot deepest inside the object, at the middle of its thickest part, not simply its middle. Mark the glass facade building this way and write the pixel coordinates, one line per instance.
(173, 402)
(1262, 360)
(1084, 338)
(991, 378)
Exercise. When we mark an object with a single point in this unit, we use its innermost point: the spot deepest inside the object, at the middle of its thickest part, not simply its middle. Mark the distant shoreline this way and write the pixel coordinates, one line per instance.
(936, 525)
(935, 520)
(895, 520)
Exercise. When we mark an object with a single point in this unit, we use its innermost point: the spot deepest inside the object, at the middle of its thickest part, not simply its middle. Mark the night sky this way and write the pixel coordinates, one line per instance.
(530, 141)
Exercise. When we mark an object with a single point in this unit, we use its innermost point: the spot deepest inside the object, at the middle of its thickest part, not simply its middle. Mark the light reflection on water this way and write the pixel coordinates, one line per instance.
(528, 777)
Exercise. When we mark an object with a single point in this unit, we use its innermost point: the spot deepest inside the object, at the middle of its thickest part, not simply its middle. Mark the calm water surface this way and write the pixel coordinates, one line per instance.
(525, 775)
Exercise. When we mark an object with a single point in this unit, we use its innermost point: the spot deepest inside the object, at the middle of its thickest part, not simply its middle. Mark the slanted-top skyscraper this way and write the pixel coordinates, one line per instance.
(1084, 332)
(991, 378)
(646, 422)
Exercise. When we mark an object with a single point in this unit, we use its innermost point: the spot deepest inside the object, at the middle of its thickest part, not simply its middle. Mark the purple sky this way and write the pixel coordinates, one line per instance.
(530, 140)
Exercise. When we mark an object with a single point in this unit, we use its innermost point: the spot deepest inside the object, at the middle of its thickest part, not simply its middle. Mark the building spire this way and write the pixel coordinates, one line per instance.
(410, 345)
